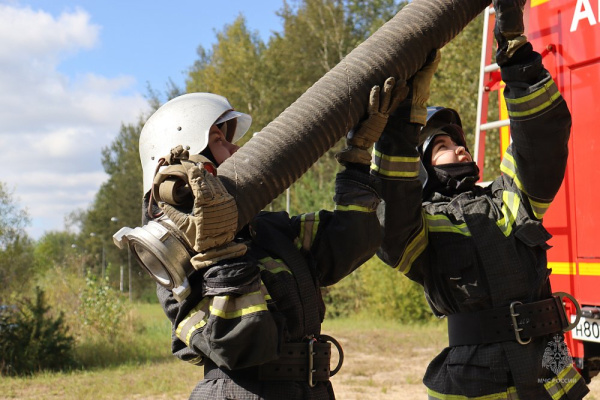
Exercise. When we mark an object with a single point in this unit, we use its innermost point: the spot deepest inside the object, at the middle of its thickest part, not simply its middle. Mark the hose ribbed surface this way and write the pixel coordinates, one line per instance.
(288, 146)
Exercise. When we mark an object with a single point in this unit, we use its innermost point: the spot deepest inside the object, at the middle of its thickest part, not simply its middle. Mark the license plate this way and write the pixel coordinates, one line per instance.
(587, 329)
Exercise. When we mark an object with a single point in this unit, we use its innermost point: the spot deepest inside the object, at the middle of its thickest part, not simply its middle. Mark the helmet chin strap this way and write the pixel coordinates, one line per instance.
(208, 154)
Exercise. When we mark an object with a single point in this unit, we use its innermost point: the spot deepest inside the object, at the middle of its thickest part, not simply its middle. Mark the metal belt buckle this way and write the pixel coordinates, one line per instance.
(513, 316)
(561, 296)
(311, 361)
(311, 353)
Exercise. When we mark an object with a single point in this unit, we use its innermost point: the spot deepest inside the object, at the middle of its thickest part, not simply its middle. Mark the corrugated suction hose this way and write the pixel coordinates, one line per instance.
(288, 146)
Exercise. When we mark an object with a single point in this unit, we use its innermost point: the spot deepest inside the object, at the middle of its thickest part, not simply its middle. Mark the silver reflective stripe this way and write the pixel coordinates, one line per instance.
(441, 223)
(534, 102)
(274, 266)
(415, 247)
(510, 208)
(308, 229)
(509, 167)
(195, 320)
(539, 208)
(395, 166)
(562, 383)
(229, 307)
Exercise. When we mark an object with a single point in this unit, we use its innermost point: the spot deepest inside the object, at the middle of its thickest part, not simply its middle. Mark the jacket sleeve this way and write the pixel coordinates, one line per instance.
(226, 318)
(397, 163)
(540, 124)
(343, 239)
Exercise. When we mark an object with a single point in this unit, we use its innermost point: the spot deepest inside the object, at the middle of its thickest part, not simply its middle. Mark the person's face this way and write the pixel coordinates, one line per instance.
(445, 151)
(220, 148)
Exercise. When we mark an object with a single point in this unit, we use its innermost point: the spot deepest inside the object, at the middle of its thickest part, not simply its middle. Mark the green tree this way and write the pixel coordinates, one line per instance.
(53, 248)
(233, 69)
(32, 339)
(16, 261)
(366, 16)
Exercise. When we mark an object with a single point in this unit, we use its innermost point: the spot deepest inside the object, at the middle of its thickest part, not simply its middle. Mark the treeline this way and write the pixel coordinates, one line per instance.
(259, 78)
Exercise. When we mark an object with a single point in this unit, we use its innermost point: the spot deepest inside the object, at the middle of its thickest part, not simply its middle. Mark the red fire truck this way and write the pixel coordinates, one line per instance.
(567, 34)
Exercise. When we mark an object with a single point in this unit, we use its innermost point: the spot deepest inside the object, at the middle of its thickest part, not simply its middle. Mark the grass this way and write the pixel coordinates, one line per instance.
(142, 367)
(147, 339)
(383, 360)
(136, 366)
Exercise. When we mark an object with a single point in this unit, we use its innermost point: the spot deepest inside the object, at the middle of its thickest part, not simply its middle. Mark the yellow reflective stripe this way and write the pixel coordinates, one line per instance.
(534, 102)
(274, 266)
(196, 319)
(226, 307)
(441, 223)
(229, 307)
(339, 207)
(509, 167)
(510, 394)
(196, 360)
(414, 248)
(308, 229)
(539, 209)
(563, 382)
(395, 166)
(510, 208)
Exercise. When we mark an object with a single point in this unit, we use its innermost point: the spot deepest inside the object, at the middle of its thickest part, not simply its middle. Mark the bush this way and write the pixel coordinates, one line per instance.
(377, 290)
(102, 310)
(31, 340)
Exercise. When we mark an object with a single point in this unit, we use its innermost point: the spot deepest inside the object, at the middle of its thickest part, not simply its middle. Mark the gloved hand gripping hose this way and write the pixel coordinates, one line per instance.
(288, 146)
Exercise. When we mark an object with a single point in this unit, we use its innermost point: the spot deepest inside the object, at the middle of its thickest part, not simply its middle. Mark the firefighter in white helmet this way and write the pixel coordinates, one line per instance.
(480, 252)
(252, 316)
(200, 121)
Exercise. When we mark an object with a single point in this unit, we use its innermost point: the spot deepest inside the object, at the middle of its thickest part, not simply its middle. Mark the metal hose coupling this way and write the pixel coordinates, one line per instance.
(160, 250)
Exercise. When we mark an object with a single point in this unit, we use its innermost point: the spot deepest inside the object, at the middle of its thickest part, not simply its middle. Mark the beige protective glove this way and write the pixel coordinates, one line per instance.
(211, 225)
(421, 82)
(381, 105)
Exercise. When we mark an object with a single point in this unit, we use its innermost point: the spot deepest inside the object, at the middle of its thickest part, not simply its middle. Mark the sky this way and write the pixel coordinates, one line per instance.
(72, 72)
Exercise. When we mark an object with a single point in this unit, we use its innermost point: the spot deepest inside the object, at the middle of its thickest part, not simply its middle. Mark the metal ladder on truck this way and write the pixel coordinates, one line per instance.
(489, 81)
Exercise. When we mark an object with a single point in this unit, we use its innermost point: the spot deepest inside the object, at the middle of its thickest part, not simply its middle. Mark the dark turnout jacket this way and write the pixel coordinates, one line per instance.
(485, 248)
(243, 311)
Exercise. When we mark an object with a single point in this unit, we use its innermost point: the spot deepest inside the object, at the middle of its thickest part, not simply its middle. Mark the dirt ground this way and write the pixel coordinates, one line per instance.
(386, 366)
(382, 365)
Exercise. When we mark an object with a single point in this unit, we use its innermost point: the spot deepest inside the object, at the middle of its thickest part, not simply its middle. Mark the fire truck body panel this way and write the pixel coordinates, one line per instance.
(567, 34)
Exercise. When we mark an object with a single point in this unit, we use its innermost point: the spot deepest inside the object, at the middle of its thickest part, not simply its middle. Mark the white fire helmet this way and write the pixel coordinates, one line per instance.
(186, 120)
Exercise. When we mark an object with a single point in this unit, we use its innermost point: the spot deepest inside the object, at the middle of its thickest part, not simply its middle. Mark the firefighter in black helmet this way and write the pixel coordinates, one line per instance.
(480, 252)
(251, 309)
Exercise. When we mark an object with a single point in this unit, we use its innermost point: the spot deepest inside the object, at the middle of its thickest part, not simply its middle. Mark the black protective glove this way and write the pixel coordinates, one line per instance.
(509, 28)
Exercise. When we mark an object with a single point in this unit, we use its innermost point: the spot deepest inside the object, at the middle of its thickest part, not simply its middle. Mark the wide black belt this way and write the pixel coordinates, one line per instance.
(518, 322)
(305, 361)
